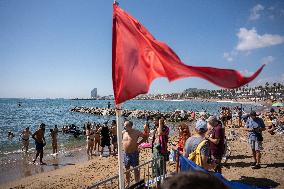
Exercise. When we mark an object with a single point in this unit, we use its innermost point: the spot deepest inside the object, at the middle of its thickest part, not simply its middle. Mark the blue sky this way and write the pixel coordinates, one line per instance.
(62, 48)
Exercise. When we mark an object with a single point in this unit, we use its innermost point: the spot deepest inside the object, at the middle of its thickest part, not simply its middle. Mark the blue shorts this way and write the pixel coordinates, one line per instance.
(131, 159)
(256, 145)
(114, 139)
(39, 146)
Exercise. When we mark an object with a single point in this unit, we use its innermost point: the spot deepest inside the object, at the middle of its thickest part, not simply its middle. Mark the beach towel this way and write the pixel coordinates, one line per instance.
(188, 165)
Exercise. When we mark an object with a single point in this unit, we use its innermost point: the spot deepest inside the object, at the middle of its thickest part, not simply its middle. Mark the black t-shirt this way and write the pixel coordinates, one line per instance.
(105, 132)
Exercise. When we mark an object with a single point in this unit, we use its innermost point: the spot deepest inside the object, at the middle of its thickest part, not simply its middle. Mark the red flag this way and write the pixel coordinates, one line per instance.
(138, 58)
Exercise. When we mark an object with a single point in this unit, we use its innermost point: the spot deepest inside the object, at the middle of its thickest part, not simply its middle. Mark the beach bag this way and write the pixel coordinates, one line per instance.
(195, 156)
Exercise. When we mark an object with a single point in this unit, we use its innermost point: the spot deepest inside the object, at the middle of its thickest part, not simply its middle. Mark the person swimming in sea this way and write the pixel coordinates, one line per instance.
(10, 134)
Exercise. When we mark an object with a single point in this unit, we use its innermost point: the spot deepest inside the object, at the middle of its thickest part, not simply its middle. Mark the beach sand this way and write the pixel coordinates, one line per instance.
(236, 168)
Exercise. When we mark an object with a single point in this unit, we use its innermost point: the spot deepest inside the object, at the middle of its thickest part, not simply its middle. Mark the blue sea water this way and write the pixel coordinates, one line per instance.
(32, 112)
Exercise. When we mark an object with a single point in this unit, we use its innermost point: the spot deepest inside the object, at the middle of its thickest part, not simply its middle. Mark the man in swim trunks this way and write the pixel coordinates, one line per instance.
(114, 136)
(130, 144)
(53, 135)
(38, 136)
(26, 139)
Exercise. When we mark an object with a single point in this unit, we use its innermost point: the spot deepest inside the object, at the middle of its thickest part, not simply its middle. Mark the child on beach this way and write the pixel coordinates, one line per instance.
(53, 135)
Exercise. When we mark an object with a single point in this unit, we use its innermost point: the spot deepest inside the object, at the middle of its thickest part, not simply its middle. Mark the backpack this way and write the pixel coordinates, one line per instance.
(195, 156)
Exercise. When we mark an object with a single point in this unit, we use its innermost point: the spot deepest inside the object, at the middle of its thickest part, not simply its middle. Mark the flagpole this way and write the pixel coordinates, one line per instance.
(119, 142)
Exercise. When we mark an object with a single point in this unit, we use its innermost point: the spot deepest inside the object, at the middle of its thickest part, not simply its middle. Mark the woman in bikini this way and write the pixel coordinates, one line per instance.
(146, 131)
(26, 139)
(97, 138)
(90, 139)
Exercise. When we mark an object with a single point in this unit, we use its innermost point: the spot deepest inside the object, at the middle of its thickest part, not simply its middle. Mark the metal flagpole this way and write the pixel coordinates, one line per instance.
(119, 142)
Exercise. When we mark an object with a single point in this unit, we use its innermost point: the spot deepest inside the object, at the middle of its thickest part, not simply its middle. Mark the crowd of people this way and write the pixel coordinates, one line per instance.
(205, 146)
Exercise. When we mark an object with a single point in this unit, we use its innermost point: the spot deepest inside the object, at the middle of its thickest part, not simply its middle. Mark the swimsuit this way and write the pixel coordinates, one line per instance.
(39, 145)
(131, 159)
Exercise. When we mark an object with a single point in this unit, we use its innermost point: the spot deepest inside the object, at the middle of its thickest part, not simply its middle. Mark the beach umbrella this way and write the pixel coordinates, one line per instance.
(278, 104)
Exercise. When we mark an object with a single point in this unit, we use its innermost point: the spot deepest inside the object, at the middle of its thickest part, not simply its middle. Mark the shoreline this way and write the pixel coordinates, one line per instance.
(22, 171)
(20, 164)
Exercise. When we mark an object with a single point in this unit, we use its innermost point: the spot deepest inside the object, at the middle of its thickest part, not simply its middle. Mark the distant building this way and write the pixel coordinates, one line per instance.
(94, 93)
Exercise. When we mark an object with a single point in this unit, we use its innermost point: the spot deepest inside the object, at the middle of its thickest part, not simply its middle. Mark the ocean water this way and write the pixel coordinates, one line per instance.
(32, 112)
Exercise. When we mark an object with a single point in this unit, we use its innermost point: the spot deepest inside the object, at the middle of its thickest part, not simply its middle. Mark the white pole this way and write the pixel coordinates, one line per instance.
(119, 142)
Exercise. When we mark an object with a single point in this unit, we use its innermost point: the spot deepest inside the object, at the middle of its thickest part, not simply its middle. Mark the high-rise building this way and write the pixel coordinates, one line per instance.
(94, 93)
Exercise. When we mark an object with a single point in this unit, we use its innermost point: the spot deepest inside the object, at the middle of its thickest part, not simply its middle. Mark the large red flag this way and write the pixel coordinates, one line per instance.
(138, 58)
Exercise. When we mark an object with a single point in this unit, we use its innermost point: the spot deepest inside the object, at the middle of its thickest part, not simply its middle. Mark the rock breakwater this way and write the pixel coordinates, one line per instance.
(173, 116)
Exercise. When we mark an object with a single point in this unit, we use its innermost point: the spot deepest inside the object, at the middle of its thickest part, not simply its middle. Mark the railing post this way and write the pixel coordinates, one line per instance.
(177, 161)
(164, 167)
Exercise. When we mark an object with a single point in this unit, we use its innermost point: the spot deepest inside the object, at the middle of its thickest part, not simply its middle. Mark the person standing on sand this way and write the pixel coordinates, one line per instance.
(90, 139)
(147, 131)
(114, 136)
(255, 125)
(25, 135)
(39, 138)
(160, 146)
(240, 114)
(97, 138)
(53, 135)
(197, 148)
(130, 144)
(184, 134)
(105, 138)
(216, 140)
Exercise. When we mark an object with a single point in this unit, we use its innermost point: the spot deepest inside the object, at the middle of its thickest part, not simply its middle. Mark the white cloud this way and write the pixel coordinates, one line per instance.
(250, 39)
(230, 56)
(255, 12)
(267, 60)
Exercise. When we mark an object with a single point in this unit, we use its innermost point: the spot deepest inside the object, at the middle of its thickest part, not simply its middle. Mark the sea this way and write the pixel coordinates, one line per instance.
(17, 114)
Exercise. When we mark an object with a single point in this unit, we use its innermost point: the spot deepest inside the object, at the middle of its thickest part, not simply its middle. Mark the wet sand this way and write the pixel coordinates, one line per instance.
(20, 165)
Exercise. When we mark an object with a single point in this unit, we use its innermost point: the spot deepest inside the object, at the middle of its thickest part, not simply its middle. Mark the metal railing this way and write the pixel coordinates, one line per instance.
(151, 172)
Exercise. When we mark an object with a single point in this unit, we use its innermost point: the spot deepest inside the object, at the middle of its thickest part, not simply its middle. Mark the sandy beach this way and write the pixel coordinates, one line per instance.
(237, 167)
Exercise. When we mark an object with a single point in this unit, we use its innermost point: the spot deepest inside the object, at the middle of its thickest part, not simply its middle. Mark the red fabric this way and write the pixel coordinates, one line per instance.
(138, 58)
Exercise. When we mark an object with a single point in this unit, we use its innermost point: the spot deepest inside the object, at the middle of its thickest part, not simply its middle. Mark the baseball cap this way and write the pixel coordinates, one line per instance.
(201, 125)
